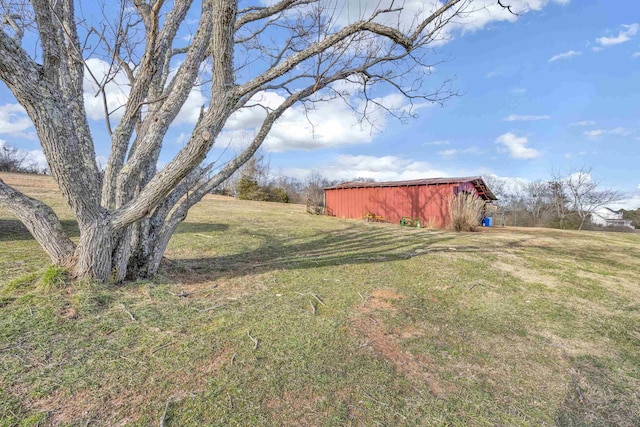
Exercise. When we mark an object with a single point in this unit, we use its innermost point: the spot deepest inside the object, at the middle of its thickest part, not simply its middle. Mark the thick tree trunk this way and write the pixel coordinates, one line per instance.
(122, 254)
(156, 252)
(93, 257)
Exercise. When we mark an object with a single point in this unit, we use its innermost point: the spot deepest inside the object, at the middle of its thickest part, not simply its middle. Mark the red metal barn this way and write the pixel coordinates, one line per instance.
(427, 199)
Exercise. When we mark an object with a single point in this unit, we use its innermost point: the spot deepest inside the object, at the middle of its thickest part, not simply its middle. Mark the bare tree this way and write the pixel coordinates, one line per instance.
(12, 159)
(314, 192)
(497, 185)
(585, 194)
(296, 48)
(538, 200)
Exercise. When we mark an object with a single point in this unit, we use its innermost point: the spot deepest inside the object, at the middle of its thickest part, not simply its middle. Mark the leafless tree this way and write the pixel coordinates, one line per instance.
(12, 159)
(586, 194)
(538, 200)
(314, 192)
(296, 48)
(497, 185)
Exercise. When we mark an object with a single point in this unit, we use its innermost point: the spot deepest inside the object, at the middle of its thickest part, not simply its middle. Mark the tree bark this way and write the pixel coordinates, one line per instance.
(94, 252)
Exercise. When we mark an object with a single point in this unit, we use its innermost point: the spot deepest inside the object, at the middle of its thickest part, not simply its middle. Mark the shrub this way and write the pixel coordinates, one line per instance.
(465, 211)
(249, 189)
(279, 195)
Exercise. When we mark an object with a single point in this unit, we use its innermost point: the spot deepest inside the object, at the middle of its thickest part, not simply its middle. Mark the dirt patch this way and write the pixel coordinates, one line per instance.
(387, 342)
(381, 299)
(294, 409)
(70, 313)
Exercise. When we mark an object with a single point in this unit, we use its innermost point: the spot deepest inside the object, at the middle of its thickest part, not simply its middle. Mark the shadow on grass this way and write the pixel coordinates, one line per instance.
(344, 247)
(14, 230)
(200, 227)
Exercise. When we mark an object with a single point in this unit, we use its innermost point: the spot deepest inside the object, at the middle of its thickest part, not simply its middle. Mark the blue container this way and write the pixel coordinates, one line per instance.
(487, 222)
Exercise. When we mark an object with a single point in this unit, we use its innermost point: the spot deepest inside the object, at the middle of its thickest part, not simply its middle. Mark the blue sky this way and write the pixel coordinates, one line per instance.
(555, 89)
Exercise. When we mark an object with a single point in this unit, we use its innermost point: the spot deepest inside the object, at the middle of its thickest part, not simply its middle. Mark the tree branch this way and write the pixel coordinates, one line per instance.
(41, 221)
(393, 34)
(257, 13)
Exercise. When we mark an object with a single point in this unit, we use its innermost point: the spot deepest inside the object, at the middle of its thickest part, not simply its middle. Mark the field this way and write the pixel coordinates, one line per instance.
(264, 315)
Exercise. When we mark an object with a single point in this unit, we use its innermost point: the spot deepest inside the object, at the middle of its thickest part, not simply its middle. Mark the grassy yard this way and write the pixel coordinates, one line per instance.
(265, 315)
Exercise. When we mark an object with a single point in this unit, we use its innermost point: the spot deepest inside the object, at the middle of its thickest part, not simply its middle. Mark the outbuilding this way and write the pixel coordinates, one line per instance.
(426, 200)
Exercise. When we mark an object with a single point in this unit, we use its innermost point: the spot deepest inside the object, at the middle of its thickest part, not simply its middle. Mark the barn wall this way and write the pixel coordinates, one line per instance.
(427, 202)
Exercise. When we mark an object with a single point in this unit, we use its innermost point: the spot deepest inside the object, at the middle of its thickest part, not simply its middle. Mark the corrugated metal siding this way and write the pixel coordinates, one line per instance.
(427, 202)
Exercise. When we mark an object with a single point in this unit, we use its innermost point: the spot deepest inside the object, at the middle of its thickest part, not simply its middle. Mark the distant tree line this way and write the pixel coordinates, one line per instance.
(633, 215)
(254, 181)
(563, 201)
(13, 159)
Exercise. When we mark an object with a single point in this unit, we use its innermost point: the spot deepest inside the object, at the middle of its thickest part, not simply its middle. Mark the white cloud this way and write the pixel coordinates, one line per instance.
(570, 155)
(619, 131)
(624, 35)
(472, 150)
(38, 157)
(385, 168)
(475, 16)
(579, 177)
(636, 55)
(448, 153)
(438, 142)
(597, 49)
(630, 202)
(506, 185)
(330, 123)
(583, 123)
(565, 55)
(492, 74)
(517, 146)
(116, 91)
(14, 121)
(454, 151)
(485, 12)
(594, 133)
(190, 111)
(525, 118)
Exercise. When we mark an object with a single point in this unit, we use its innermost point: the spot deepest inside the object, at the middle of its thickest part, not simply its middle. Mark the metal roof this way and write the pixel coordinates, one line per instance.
(476, 181)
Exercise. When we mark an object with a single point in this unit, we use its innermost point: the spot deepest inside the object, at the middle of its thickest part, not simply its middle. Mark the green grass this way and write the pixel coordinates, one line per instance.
(356, 324)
